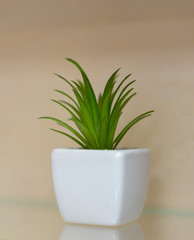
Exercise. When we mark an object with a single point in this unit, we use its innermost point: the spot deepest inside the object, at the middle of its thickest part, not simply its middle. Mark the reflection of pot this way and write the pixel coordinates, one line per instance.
(131, 231)
(100, 187)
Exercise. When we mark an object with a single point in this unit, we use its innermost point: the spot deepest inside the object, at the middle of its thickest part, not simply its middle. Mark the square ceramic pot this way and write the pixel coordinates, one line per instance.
(101, 187)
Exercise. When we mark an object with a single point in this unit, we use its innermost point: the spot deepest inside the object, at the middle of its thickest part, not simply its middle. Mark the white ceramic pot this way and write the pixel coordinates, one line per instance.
(102, 187)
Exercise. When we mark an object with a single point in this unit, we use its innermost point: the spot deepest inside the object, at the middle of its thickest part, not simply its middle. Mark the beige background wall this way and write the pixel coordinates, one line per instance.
(158, 50)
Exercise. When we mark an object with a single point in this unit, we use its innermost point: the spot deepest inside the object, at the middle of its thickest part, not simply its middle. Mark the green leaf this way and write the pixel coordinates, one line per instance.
(106, 97)
(90, 93)
(118, 107)
(115, 92)
(86, 133)
(103, 133)
(86, 116)
(105, 106)
(81, 84)
(66, 126)
(112, 130)
(126, 101)
(84, 96)
(73, 107)
(64, 79)
(123, 90)
(99, 101)
(87, 83)
(65, 94)
(109, 84)
(72, 114)
(121, 100)
(129, 125)
(81, 89)
(74, 139)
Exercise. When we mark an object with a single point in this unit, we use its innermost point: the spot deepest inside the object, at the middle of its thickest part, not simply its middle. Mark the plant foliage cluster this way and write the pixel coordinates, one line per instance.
(96, 119)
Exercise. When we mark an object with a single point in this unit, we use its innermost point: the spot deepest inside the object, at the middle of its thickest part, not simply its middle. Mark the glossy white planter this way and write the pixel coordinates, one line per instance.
(103, 187)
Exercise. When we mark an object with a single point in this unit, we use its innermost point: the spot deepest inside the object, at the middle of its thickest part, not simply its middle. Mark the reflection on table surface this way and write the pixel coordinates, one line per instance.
(43, 221)
(81, 232)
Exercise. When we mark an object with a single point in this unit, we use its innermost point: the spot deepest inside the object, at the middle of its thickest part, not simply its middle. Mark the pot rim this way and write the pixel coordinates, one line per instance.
(102, 150)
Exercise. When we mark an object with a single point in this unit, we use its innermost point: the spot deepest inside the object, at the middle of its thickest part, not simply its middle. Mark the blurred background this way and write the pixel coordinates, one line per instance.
(152, 39)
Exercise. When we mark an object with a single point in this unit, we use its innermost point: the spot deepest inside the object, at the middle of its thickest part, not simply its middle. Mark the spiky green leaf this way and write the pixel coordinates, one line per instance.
(67, 95)
(72, 107)
(74, 139)
(64, 80)
(129, 125)
(86, 133)
(66, 126)
(103, 132)
(62, 105)
(117, 89)
(90, 93)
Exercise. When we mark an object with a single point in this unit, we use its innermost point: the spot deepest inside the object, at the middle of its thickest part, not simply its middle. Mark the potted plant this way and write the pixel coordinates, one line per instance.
(99, 184)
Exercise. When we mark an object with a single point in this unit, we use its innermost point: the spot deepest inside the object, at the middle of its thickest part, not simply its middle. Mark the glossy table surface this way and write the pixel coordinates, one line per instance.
(29, 220)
